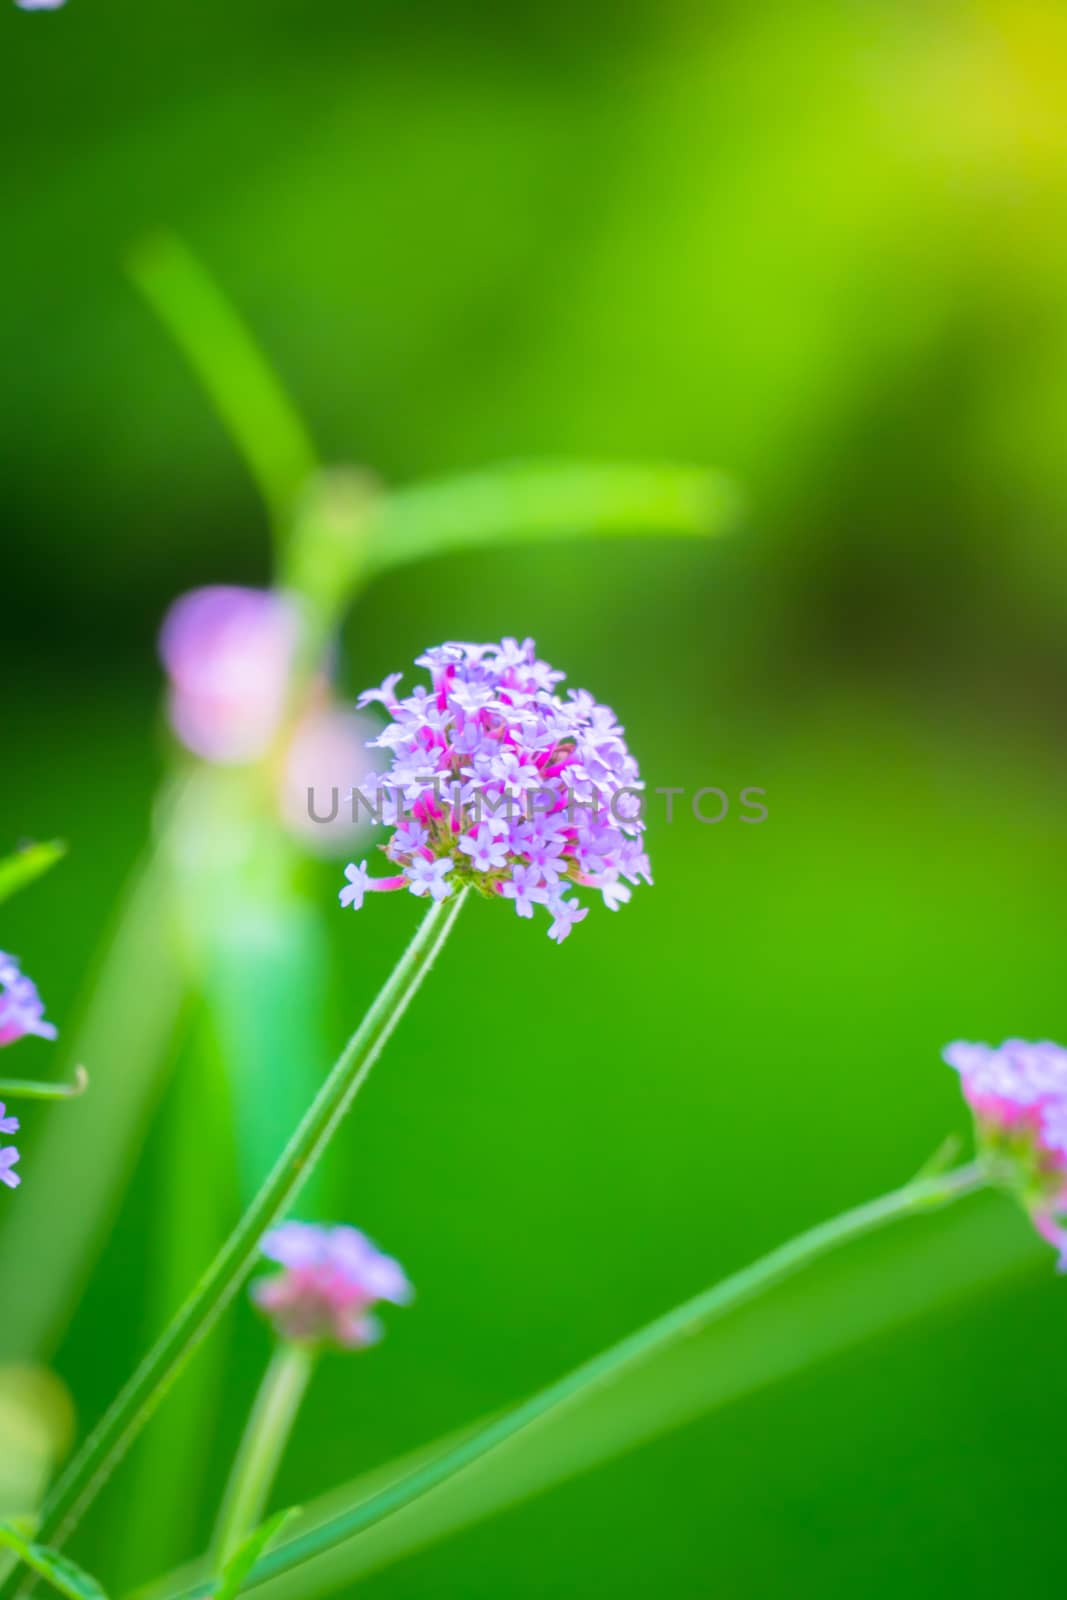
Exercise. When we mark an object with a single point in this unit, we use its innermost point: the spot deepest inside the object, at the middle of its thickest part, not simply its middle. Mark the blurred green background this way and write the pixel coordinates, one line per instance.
(820, 247)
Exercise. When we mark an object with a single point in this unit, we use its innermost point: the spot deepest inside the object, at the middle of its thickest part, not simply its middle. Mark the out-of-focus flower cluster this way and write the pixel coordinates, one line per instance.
(228, 653)
(21, 1007)
(331, 1278)
(21, 1014)
(231, 656)
(499, 783)
(1018, 1094)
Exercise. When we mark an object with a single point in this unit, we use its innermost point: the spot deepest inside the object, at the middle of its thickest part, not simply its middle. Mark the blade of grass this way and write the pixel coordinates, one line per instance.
(17, 870)
(55, 1569)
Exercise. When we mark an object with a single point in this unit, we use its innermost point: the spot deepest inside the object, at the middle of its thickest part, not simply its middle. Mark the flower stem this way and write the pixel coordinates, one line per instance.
(262, 1446)
(89, 1470)
(689, 1318)
(22, 1089)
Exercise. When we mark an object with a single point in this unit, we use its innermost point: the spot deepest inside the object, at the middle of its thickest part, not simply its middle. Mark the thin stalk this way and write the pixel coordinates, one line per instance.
(262, 1446)
(23, 1089)
(92, 1465)
(921, 1194)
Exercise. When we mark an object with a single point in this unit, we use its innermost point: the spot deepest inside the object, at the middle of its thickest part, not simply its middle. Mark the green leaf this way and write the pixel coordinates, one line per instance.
(58, 1570)
(347, 528)
(25, 865)
(532, 501)
(248, 1553)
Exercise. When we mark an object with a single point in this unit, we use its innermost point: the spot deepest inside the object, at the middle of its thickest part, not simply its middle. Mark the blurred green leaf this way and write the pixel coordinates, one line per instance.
(57, 1569)
(24, 866)
(127, 1034)
(255, 949)
(531, 501)
(239, 381)
(244, 1559)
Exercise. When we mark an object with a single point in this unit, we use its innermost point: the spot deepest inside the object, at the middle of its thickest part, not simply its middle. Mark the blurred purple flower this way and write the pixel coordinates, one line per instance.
(331, 1279)
(8, 1158)
(492, 735)
(1018, 1094)
(21, 1008)
(40, 5)
(229, 653)
(7, 1124)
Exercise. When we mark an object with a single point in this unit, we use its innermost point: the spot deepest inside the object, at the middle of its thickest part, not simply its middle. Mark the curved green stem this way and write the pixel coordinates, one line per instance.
(23, 1089)
(105, 1446)
(923, 1193)
(262, 1446)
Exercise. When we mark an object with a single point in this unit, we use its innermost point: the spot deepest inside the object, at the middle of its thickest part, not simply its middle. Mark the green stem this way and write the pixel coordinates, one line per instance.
(922, 1194)
(259, 1454)
(23, 1089)
(105, 1446)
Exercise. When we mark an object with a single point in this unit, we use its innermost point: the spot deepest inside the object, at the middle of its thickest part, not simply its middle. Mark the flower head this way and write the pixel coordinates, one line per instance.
(8, 1176)
(21, 1008)
(499, 783)
(1018, 1094)
(228, 653)
(330, 1280)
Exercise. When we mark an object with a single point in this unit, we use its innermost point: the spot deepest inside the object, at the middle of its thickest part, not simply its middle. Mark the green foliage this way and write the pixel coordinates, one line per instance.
(765, 1323)
(57, 1569)
(127, 1037)
(534, 501)
(22, 868)
(242, 1561)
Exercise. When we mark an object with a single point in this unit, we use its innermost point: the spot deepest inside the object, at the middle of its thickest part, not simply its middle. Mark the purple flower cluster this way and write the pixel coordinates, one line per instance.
(1018, 1094)
(21, 1013)
(331, 1278)
(21, 1009)
(511, 789)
